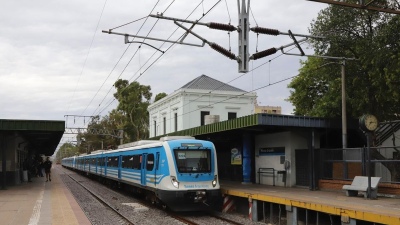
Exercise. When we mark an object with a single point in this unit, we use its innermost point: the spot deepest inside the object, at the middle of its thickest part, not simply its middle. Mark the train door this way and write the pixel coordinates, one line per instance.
(143, 169)
(156, 169)
(119, 166)
(100, 165)
(105, 165)
(96, 165)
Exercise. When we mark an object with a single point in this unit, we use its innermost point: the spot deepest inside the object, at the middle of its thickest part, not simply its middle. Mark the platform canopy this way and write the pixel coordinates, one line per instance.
(261, 123)
(41, 136)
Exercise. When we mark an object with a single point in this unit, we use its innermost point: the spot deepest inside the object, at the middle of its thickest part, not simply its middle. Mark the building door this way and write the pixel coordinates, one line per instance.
(202, 115)
(302, 167)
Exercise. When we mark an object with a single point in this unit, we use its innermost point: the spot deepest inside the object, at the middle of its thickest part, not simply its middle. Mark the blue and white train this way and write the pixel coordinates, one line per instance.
(177, 172)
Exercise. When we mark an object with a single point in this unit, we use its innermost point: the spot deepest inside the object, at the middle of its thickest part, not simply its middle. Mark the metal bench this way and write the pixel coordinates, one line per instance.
(360, 183)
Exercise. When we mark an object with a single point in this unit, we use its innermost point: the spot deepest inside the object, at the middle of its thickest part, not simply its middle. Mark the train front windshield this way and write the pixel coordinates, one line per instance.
(193, 161)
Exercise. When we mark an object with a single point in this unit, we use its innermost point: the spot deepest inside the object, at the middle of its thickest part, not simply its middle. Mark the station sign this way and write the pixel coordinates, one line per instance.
(272, 151)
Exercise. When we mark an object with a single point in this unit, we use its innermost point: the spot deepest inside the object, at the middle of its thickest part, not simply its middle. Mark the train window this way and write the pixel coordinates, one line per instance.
(113, 161)
(150, 162)
(193, 161)
(136, 162)
(127, 162)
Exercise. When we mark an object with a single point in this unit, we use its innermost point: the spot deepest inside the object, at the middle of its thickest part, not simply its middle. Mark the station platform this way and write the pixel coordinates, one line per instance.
(384, 210)
(40, 202)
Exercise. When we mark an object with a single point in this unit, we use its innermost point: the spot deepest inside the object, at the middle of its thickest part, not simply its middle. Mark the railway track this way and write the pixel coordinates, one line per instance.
(122, 218)
(111, 200)
(225, 219)
(203, 218)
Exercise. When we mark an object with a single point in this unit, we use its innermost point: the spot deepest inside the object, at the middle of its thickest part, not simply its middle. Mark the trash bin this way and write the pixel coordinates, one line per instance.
(25, 176)
(283, 172)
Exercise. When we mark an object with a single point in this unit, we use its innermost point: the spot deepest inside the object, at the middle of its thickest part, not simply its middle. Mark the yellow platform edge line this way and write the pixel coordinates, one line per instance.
(366, 216)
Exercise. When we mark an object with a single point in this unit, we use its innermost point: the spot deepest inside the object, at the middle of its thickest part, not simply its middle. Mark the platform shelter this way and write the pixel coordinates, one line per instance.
(22, 139)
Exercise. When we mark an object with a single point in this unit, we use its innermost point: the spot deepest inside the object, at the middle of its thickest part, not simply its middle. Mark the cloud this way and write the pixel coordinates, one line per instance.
(47, 70)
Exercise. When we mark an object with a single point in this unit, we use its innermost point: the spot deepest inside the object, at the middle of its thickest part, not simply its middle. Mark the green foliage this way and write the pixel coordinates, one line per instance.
(130, 116)
(160, 96)
(134, 99)
(66, 150)
(372, 82)
(101, 133)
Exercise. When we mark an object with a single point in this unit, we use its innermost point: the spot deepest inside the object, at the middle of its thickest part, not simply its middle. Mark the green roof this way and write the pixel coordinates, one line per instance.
(257, 120)
(42, 136)
(37, 125)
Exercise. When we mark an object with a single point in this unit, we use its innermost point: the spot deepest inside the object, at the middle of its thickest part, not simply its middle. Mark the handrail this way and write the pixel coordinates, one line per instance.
(267, 171)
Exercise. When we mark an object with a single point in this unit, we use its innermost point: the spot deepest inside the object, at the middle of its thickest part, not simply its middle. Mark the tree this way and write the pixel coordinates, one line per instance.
(103, 139)
(372, 82)
(66, 150)
(134, 99)
(160, 96)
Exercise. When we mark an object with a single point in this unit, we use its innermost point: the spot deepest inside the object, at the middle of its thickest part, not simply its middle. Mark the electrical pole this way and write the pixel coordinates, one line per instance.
(243, 30)
(344, 116)
(243, 35)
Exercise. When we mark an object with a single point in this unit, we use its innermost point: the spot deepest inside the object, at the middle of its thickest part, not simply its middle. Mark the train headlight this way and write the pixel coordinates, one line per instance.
(174, 182)
(214, 182)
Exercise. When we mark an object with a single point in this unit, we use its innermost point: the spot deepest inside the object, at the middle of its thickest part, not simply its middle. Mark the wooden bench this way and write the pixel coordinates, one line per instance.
(360, 183)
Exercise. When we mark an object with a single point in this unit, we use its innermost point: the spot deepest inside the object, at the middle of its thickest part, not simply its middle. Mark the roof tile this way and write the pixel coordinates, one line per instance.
(204, 82)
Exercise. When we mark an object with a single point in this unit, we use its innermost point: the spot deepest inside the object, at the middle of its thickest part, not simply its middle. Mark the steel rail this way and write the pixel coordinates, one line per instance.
(101, 200)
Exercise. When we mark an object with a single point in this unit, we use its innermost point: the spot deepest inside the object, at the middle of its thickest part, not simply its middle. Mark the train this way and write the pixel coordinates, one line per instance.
(177, 172)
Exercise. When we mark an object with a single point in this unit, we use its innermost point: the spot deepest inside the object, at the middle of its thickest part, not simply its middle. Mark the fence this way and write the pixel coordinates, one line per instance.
(344, 164)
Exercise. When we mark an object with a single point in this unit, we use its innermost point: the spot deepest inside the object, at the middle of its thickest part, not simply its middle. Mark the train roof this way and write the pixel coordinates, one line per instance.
(147, 142)
(139, 145)
(169, 138)
(136, 143)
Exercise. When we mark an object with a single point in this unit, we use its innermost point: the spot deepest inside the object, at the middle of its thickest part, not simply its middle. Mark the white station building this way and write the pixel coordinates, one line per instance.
(202, 101)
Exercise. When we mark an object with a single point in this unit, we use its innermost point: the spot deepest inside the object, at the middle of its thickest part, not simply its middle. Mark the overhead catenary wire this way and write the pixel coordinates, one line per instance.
(118, 63)
(154, 54)
(227, 9)
(255, 21)
(113, 99)
(173, 44)
(232, 97)
(128, 23)
(217, 88)
(87, 55)
(160, 57)
(168, 6)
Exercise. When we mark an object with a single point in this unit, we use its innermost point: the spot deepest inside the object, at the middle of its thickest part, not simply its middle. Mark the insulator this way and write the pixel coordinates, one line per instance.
(222, 50)
(221, 26)
(263, 30)
(264, 53)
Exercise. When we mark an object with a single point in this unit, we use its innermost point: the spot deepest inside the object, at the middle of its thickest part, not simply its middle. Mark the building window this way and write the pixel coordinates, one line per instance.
(176, 122)
(165, 125)
(155, 128)
(231, 115)
(202, 115)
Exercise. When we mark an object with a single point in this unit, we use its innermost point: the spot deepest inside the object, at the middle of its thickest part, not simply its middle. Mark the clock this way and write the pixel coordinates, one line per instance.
(368, 122)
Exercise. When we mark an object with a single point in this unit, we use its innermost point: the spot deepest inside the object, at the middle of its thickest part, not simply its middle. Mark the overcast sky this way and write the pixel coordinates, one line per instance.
(55, 61)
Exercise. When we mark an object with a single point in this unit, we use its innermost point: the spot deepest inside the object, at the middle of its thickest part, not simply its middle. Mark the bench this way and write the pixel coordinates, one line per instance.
(360, 183)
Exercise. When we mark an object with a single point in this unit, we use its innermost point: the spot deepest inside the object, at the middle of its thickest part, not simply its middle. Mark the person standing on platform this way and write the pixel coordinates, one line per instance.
(28, 164)
(47, 167)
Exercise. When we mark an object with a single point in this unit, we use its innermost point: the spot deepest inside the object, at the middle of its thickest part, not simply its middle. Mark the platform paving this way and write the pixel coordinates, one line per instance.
(40, 203)
(384, 210)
